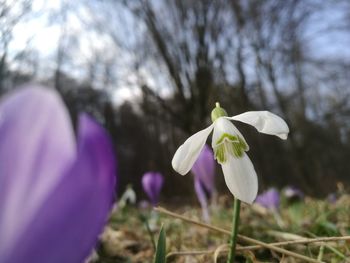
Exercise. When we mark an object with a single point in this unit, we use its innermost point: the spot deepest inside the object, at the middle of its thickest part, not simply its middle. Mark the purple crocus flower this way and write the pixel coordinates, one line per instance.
(269, 199)
(55, 190)
(152, 183)
(204, 168)
(204, 173)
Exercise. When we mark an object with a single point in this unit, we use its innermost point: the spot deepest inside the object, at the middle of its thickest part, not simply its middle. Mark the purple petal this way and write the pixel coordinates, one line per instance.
(66, 227)
(152, 183)
(204, 168)
(37, 146)
(332, 198)
(269, 199)
(144, 204)
(202, 195)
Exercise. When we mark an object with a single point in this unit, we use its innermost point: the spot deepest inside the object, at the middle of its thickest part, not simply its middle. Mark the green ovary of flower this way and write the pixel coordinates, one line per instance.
(229, 144)
(217, 112)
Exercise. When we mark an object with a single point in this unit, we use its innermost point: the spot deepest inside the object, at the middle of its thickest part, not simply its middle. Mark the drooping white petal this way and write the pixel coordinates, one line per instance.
(241, 178)
(223, 125)
(265, 122)
(189, 151)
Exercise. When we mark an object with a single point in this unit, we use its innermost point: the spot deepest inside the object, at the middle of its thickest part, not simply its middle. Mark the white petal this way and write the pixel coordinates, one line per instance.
(189, 151)
(223, 125)
(265, 122)
(241, 178)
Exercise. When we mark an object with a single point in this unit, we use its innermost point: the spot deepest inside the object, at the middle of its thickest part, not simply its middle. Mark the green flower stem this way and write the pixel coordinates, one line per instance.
(149, 231)
(234, 232)
(144, 219)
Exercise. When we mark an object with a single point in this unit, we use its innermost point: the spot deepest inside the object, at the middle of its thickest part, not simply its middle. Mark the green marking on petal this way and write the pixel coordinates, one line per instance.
(220, 154)
(229, 144)
(228, 136)
(242, 143)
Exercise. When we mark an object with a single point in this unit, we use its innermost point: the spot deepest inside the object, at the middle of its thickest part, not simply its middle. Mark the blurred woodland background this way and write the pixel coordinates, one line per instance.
(151, 71)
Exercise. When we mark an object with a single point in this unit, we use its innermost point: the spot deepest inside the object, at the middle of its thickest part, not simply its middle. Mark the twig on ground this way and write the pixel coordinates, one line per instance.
(241, 237)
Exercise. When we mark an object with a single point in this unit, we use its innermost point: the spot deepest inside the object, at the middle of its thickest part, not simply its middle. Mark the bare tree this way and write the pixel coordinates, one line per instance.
(11, 13)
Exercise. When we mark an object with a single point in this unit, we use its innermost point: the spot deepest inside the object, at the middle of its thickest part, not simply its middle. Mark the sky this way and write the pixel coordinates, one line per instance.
(39, 32)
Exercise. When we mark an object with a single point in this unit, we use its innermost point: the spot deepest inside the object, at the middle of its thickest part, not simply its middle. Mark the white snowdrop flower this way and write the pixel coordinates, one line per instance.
(230, 148)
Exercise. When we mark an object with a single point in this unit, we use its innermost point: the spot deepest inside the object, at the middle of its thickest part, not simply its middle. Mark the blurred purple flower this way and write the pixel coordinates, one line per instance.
(291, 192)
(144, 204)
(204, 173)
(55, 191)
(152, 183)
(332, 198)
(269, 199)
(204, 169)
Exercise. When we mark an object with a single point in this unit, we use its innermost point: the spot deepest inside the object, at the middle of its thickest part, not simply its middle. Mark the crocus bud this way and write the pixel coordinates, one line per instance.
(269, 199)
(152, 183)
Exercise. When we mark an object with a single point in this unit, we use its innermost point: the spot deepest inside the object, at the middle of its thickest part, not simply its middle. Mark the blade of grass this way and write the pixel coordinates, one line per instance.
(320, 253)
(161, 247)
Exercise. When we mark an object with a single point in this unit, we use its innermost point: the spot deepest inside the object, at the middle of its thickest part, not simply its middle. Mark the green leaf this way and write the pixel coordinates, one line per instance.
(161, 247)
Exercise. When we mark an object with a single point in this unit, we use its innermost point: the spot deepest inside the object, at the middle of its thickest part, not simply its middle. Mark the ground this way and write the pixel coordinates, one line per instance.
(126, 238)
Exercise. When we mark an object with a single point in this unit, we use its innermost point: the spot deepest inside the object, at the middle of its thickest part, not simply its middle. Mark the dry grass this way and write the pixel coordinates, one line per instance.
(126, 238)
